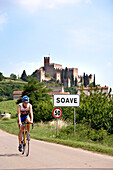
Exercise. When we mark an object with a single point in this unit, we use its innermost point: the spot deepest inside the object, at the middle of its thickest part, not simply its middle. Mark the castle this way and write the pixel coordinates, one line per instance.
(68, 76)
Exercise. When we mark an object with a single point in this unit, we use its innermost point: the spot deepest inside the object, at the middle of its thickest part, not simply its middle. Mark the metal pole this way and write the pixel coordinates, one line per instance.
(74, 120)
(57, 126)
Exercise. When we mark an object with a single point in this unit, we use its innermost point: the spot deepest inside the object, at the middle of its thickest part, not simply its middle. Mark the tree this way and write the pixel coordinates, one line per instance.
(24, 76)
(62, 76)
(87, 79)
(75, 81)
(47, 75)
(13, 76)
(84, 77)
(96, 110)
(1, 76)
(66, 73)
(94, 81)
(72, 80)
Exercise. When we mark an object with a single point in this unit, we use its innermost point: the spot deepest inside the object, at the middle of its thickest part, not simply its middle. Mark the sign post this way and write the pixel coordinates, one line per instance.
(57, 113)
(57, 127)
(67, 100)
(74, 120)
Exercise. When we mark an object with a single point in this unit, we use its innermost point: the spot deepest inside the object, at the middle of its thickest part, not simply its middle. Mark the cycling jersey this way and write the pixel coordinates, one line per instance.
(24, 110)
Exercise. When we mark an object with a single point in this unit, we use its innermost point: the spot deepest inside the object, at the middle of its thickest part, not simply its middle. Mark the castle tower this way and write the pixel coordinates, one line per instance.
(46, 61)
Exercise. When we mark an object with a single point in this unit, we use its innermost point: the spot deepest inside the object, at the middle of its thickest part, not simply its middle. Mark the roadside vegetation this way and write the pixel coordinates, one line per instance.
(10, 107)
(94, 119)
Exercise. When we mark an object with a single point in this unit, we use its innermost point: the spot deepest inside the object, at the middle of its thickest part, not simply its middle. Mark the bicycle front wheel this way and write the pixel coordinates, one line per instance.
(27, 145)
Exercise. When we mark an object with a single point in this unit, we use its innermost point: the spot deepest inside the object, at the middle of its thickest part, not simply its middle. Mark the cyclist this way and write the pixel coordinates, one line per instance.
(24, 110)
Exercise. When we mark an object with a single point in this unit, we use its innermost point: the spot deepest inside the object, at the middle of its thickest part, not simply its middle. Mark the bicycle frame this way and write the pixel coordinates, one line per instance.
(25, 141)
(24, 131)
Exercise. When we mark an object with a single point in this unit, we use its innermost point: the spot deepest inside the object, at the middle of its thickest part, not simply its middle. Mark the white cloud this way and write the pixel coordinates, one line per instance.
(3, 20)
(33, 5)
(110, 64)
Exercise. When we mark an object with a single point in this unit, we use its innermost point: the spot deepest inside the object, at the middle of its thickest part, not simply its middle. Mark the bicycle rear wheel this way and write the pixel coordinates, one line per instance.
(27, 145)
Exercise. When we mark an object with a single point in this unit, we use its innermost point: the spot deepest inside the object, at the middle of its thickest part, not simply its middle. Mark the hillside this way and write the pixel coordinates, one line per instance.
(7, 88)
(10, 106)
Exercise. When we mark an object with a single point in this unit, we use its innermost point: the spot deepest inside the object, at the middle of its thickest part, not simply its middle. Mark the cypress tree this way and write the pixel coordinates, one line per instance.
(94, 81)
(66, 73)
(62, 76)
(72, 80)
(24, 76)
(75, 81)
(84, 77)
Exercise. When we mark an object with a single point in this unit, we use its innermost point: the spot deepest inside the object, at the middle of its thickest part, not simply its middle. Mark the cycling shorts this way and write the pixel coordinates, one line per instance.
(23, 118)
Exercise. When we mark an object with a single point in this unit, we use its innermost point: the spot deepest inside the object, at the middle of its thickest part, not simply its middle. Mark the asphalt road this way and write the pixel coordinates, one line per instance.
(47, 155)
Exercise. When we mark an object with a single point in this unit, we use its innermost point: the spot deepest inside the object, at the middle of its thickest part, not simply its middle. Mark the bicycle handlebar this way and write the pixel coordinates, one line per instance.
(27, 123)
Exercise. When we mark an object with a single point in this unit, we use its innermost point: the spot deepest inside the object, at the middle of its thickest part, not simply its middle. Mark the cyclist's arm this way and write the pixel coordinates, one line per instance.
(18, 111)
(31, 113)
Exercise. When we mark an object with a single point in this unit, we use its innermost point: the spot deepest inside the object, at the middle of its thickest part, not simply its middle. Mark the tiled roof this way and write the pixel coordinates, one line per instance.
(17, 92)
(52, 93)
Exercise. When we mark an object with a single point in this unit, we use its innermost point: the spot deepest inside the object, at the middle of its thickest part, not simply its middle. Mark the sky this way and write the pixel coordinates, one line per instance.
(73, 33)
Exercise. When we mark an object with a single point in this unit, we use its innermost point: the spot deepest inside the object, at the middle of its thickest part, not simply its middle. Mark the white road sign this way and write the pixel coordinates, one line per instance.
(66, 100)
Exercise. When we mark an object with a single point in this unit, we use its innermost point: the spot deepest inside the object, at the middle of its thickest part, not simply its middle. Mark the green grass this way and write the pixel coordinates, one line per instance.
(46, 132)
(10, 106)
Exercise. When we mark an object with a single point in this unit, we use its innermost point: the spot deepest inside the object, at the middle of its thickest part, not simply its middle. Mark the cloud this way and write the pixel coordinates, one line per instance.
(110, 64)
(33, 5)
(3, 20)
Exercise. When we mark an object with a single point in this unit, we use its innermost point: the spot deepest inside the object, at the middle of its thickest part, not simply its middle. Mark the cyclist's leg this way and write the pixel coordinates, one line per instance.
(20, 134)
(28, 125)
(20, 130)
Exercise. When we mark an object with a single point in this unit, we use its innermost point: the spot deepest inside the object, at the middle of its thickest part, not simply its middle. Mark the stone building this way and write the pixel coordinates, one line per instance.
(66, 77)
(63, 76)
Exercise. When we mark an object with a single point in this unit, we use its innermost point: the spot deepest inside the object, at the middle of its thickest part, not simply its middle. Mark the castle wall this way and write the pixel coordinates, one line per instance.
(41, 75)
(74, 72)
(50, 69)
(58, 66)
(90, 78)
(58, 77)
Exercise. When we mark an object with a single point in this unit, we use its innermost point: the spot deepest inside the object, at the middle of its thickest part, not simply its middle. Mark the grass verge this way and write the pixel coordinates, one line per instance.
(46, 133)
(10, 106)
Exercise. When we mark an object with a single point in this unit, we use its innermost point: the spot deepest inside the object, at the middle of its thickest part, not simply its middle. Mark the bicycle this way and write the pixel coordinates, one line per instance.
(25, 138)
